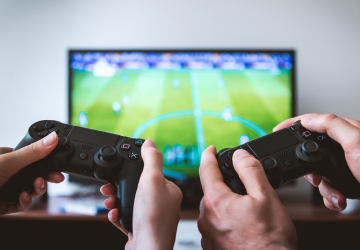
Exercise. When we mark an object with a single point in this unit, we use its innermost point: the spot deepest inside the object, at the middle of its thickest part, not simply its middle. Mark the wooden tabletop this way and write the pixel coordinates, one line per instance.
(299, 210)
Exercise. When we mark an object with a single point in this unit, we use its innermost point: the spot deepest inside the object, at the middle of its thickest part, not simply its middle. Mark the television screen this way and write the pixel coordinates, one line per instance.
(183, 100)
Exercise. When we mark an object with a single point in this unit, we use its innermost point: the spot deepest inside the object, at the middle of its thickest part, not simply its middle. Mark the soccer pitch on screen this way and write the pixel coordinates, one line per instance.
(183, 111)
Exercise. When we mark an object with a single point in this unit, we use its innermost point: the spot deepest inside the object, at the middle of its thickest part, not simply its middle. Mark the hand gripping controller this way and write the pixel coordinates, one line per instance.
(93, 154)
(291, 153)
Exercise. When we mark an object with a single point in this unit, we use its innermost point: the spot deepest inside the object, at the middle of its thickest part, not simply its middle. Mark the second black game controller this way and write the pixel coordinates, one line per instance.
(291, 153)
(89, 153)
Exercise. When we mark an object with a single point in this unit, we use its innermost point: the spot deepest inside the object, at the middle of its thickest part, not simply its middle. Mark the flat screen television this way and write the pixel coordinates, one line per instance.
(184, 100)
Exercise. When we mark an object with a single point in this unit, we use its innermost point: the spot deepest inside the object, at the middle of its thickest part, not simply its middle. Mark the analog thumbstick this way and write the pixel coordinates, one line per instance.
(310, 148)
(107, 153)
(63, 143)
(270, 165)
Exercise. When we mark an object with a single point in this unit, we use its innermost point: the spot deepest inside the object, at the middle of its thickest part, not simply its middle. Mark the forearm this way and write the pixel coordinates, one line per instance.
(152, 240)
(281, 246)
(149, 243)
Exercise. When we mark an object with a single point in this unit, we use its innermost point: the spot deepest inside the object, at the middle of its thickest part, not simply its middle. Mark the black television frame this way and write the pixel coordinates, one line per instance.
(186, 186)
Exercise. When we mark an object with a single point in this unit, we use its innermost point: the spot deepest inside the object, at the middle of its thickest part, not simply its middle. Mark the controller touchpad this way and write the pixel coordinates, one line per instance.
(93, 137)
(272, 143)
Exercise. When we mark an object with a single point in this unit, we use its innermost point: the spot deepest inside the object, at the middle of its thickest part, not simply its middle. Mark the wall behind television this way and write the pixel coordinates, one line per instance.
(35, 36)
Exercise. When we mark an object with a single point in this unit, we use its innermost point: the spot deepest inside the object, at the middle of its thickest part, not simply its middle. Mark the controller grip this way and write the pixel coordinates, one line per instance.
(235, 184)
(341, 178)
(21, 181)
(126, 184)
(24, 179)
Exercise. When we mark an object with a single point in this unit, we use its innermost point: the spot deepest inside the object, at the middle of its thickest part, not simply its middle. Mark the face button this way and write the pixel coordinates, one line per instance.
(63, 143)
(322, 137)
(83, 156)
(43, 133)
(310, 148)
(66, 126)
(49, 125)
(139, 143)
(270, 165)
(56, 130)
(306, 134)
(125, 147)
(230, 155)
(107, 153)
(133, 156)
(289, 163)
(38, 128)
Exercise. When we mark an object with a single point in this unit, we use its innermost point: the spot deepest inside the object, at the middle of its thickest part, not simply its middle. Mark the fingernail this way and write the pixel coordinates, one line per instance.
(240, 152)
(149, 143)
(110, 215)
(42, 185)
(335, 202)
(50, 139)
(310, 178)
(26, 197)
(307, 119)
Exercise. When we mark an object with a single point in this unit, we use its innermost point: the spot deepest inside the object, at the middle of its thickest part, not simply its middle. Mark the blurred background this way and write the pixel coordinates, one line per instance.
(35, 37)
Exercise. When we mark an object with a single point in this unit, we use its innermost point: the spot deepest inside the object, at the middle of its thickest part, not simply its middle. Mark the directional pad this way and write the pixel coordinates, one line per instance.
(228, 165)
(49, 125)
(230, 155)
(56, 130)
(43, 133)
(38, 128)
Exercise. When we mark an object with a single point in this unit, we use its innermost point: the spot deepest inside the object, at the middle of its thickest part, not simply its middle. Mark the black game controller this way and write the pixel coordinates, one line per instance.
(291, 153)
(93, 154)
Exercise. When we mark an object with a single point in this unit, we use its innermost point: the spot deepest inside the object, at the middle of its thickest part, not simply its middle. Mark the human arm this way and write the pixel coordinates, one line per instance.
(156, 207)
(347, 133)
(231, 221)
(12, 162)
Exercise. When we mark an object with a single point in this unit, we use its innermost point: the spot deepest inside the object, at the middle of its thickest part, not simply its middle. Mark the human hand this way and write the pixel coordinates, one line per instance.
(156, 207)
(346, 132)
(231, 221)
(13, 162)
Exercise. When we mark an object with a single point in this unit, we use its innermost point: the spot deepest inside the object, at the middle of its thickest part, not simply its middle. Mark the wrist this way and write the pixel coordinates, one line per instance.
(147, 244)
(151, 241)
(278, 246)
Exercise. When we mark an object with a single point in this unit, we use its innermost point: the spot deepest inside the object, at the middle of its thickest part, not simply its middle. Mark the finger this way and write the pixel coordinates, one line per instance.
(210, 175)
(329, 205)
(314, 179)
(353, 122)
(24, 203)
(114, 219)
(201, 207)
(251, 173)
(110, 203)
(333, 196)
(153, 160)
(5, 150)
(291, 121)
(108, 190)
(174, 190)
(54, 177)
(175, 193)
(39, 188)
(206, 244)
(337, 128)
(12, 162)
